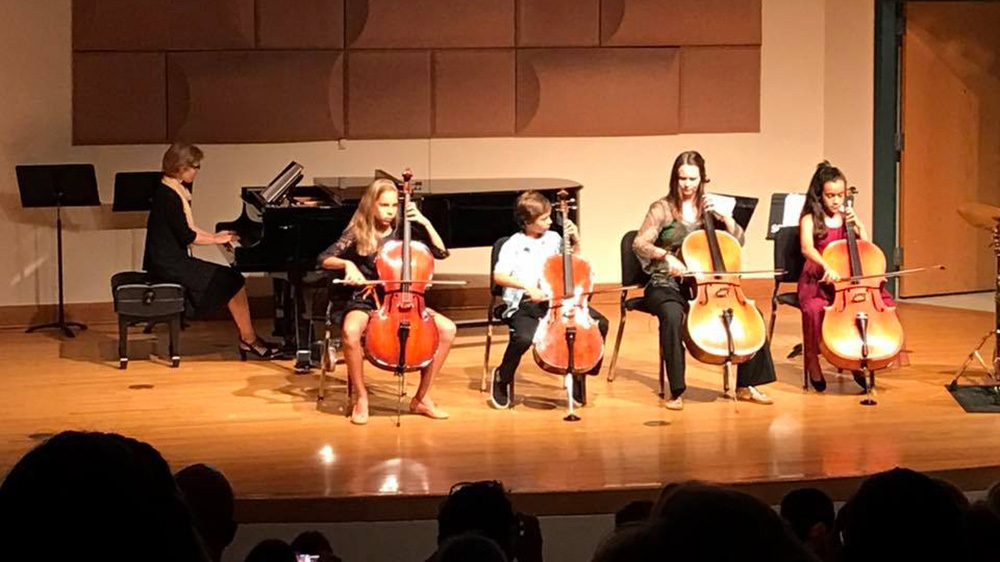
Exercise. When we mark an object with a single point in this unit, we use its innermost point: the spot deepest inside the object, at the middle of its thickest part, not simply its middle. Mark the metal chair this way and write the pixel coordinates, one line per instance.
(632, 274)
(787, 257)
(493, 316)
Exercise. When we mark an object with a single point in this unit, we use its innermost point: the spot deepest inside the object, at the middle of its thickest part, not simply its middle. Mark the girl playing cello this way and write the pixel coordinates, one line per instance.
(657, 244)
(373, 224)
(823, 221)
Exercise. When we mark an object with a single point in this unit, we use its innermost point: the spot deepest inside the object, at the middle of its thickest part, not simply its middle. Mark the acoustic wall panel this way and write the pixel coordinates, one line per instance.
(389, 94)
(720, 89)
(277, 70)
(300, 24)
(416, 24)
(558, 23)
(132, 25)
(119, 98)
(473, 93)
(255, 96)
(579, 92)
(641, 23)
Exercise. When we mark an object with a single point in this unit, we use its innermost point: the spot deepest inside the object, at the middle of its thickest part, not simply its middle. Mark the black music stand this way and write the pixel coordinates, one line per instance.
(58, 185)
(134, 191)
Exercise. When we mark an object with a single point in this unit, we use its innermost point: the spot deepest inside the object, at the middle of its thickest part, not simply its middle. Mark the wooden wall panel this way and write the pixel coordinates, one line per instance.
(252, 96)
(558, 23)
(132, 25)
(474, 93)
(300, 24)
(576, 92)
(119, 98)
(387, 24)
(951, 123)
(720, 89)
(272, 70)
(680, 22)
(389, 94)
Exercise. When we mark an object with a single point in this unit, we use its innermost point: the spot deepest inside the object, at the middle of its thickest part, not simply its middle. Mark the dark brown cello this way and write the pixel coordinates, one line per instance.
(860, 332)
(568, 341)
(723, 326)
(401, 335)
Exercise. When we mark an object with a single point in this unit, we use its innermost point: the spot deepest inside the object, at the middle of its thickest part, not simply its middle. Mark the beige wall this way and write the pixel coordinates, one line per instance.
(815, 102)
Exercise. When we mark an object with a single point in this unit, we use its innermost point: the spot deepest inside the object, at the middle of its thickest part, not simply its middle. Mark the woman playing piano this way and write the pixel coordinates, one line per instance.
(354, 253)
(170, 231)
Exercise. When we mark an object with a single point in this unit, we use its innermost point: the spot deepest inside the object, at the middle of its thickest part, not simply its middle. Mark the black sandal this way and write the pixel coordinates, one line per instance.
(259, 348)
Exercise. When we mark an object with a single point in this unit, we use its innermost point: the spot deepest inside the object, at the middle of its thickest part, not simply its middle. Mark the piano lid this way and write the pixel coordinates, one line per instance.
(454, 185)
(279, 186)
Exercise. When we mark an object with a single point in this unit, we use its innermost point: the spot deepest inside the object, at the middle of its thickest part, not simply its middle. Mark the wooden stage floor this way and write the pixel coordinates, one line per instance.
(288, 461)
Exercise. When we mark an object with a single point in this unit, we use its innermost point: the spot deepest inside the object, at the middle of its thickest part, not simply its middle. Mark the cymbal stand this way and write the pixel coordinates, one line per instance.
(993, 372)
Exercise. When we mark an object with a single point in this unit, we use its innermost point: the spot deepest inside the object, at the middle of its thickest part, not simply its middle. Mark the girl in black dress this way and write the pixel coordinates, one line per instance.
(373, 224)
(170, 231)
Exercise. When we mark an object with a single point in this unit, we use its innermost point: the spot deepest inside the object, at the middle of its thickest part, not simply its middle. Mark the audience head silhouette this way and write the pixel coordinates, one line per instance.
(469, 547)
(314, 543)
(210, 499)
(479, 507)
(107, 497)
(633, 512)
(271, 550)
(902, 515)
(698, 521)
(809, 511)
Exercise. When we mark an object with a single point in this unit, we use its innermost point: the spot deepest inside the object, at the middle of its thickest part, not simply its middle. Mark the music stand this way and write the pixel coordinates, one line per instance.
(58, 185)
(134, 191)
(785, 211)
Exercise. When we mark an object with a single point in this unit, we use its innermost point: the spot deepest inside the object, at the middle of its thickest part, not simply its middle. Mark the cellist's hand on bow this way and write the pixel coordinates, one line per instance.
(413, 214)
(352, 275)
(536, 294)
(675, 266)
(830, 276)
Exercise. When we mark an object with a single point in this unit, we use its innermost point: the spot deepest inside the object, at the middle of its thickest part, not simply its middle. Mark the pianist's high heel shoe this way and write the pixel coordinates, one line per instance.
(258, 348)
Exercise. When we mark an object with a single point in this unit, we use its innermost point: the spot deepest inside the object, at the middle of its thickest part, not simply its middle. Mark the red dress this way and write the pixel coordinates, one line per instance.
(813, 297)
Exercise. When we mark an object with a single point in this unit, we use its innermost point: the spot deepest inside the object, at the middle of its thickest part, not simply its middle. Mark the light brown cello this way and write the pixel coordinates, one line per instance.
(723, 326)
(860, 332)
(568, 341)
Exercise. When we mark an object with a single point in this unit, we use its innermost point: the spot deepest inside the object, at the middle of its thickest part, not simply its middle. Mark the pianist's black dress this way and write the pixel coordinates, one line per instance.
(207, 286)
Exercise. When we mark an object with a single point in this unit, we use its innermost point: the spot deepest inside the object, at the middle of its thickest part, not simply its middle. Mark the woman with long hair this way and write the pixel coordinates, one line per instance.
(354, 253)
(658, 243)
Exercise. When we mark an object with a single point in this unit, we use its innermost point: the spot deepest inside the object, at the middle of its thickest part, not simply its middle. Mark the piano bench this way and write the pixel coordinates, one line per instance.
(138, 298)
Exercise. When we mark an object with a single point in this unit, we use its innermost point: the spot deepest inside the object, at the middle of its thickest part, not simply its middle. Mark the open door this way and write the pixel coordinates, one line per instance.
(950, 116)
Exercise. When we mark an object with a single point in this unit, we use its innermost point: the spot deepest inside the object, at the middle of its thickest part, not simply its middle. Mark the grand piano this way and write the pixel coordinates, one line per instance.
(284, 226)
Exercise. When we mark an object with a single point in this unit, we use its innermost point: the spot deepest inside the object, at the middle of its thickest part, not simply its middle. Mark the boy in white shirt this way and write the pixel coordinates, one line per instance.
(518, 270)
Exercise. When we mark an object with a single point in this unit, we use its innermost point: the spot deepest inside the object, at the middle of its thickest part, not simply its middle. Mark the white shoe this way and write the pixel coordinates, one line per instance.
(751, 394)
(675, 403)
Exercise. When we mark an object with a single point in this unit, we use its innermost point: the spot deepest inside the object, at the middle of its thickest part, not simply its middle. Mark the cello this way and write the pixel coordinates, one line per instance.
(568, 341)
(860, 332)
(723, 326)
(401, 335)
